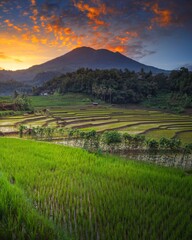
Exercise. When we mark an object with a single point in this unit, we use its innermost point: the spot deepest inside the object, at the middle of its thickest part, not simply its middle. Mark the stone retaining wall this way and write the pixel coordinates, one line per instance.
(168, 158)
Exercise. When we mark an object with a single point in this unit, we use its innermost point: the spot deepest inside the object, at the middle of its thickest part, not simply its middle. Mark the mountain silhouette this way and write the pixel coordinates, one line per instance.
(94, 59)
(80, 57)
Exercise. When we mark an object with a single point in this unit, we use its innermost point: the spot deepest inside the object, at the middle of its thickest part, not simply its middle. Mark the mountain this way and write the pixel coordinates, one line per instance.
(73, 60)
(91, 58)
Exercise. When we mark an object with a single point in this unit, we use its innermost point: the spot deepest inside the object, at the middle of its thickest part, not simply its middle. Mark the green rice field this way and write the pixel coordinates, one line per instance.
(48, 191)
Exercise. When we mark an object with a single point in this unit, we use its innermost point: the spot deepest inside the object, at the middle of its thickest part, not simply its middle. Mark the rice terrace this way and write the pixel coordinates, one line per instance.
(74, 194)
(77, 111)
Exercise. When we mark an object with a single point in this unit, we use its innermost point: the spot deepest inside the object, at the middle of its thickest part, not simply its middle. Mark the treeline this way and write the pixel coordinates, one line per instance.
(122, 87)
(111, 141)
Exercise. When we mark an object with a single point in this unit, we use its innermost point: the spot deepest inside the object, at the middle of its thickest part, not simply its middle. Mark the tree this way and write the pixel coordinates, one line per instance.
(187, 150)
(153, 145)
(15, 94)
(164, 143)
(112, 139)
(127, 138)
(23, 103)
(91, 140)
(138, 141)
(21, 130)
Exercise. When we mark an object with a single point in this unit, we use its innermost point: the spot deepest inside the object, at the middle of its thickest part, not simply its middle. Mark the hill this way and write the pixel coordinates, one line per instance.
(122, 87)
(73, 60)
(45, 187)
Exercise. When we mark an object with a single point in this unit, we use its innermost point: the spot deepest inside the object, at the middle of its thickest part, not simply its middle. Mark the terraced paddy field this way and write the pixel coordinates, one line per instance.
(82, 114)
(77, 111)
(51, 192)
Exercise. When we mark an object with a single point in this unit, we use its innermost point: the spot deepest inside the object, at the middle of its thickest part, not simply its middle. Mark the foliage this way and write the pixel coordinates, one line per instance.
(114, 86)
(174, 91)
(153, 145)
(175, 102)
(7, 113)
(173, 143)
(187, 150)
(21, 129)
(111, 137)
(113, 140)
(121, 87)
(23, 103)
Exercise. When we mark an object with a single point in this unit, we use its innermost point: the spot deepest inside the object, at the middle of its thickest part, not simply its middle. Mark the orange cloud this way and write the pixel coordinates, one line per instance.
(93, 13)
(120, 49)
(162, 17)
(34, 39)
(132, 34)
(67, 31)
(26, 37)
(123, 40)
(33, 2)
(43, 41)
(34, 12)
(9, 24)
(36, 28)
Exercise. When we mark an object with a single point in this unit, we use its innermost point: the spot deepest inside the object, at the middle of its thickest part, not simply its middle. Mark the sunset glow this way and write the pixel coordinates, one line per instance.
(35, 31)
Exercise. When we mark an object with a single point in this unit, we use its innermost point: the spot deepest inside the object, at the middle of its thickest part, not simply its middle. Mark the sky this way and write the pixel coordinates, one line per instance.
(153, 32)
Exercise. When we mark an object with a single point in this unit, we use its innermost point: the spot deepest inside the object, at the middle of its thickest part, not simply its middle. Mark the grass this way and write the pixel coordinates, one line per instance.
(66, 100)
(47, 187)
(94, 119)
(110, 126)
(185, 136)
(159, 133)
(93, 123)
(158, 130)
(38, 122)
(18, 217)
(18, 119)
(5, 99)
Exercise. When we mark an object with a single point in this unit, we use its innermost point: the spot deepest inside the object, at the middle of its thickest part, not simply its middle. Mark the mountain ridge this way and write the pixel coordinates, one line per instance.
(77, 58)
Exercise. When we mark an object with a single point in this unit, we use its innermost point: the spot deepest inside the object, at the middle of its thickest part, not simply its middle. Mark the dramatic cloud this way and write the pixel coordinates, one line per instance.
(94, 11)
(132, 27)
(11, 25)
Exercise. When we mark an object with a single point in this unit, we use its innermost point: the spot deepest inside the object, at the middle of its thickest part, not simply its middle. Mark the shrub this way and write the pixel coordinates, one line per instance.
(23, 103)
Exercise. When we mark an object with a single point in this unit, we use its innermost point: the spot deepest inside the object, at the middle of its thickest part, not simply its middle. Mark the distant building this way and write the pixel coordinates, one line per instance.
(44, 94)
(95, 103)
